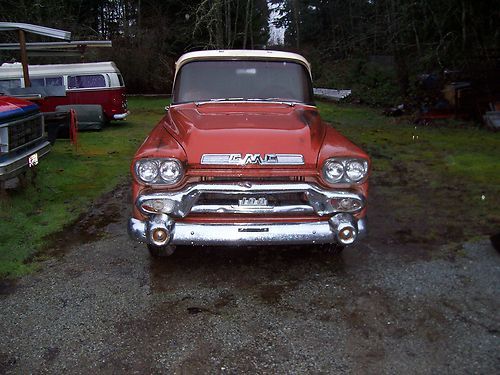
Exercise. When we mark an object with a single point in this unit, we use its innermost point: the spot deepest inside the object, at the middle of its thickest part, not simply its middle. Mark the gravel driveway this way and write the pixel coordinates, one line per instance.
(385, 306)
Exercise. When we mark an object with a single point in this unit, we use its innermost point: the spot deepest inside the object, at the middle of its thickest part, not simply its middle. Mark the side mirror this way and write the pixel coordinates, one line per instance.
(167, 107)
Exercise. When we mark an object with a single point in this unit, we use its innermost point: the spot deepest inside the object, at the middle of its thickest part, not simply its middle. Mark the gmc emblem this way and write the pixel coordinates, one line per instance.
(253, 159)
(239, 159)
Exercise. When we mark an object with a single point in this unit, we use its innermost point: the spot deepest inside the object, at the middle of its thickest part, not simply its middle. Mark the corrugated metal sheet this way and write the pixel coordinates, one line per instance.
(58, 45)
(332, 93)
(35, 29)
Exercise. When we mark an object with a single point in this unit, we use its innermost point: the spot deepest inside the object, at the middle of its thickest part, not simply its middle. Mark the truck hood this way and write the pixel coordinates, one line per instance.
(14, 107)
(246, 128)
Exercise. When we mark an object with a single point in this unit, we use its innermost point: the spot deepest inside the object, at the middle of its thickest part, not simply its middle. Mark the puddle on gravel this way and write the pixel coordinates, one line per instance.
(196, 310)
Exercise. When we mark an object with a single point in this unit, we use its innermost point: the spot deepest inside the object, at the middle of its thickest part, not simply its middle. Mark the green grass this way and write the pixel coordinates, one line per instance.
(433, 178)
(67, 181)
(462, 150)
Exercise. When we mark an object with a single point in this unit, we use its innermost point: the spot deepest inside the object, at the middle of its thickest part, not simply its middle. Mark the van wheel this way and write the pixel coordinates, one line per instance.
(333, 249)
(160, 251)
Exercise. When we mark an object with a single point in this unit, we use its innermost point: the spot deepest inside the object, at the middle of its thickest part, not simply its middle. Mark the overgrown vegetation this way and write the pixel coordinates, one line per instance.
(439, 181)
(67, 181)
(408, 36)
(371, 83)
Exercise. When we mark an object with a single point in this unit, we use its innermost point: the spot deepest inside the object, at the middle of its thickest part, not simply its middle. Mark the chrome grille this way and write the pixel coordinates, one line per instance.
(272, 203)
(275, 199)
(25, 131)
(250, 198)
(254, 179)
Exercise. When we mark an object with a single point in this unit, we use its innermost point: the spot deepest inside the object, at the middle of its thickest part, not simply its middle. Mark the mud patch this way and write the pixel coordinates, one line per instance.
(7, 287)
(272, 294)
(193, 310)
(100, 219)
(50, 354)
(226, 299)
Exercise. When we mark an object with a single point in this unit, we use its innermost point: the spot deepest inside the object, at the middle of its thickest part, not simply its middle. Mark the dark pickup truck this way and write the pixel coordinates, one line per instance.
(23, 141)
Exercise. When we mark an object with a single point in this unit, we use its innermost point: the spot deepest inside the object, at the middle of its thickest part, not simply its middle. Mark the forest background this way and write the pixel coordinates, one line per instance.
(378, 48)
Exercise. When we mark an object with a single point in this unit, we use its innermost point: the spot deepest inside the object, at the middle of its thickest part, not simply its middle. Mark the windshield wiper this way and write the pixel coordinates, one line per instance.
(276, 100)
(218, 100)
(226, 99)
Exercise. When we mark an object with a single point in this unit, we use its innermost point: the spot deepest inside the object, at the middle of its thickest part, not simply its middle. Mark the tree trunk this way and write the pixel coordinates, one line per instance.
(247, 21)
(227, 20)
(464, 25)
(296, 15)
(219, 29)
(251, 26)
(235, 34)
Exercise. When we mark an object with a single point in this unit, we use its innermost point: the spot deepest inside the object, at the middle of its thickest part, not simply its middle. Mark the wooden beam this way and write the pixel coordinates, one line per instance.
(24, 58)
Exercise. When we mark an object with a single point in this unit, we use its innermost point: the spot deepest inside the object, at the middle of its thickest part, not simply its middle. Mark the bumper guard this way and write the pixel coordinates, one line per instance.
(341, 228)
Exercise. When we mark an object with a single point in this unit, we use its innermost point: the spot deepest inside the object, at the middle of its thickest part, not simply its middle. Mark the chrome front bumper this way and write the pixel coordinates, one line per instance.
(245, 233)
(164, 208)
(14, 165)
(121, 116)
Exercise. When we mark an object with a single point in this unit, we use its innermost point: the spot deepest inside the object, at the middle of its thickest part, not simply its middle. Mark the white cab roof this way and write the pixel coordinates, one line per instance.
(15, 70)
(241, 54)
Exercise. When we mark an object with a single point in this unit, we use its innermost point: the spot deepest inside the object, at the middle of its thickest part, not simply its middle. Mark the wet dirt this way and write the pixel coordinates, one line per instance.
(395, 303)
(93, 224)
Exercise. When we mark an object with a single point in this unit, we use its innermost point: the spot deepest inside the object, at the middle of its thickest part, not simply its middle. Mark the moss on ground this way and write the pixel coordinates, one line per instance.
(441, 179)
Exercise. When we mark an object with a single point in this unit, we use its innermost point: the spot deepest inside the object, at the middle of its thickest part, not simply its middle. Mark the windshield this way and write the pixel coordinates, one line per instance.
(242, 80)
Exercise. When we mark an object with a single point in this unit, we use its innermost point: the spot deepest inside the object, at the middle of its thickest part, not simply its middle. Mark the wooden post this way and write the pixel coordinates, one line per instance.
(24, 58)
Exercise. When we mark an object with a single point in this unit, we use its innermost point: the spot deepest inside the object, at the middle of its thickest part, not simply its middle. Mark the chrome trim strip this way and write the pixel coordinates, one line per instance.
(185, 200)
(290, 103)
(239, 159)
(219, 209)
(244, 233)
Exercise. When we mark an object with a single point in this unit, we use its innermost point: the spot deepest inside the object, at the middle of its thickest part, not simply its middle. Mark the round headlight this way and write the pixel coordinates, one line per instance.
(333, 171)
(147, 171)
(356, 170)
(170, 170)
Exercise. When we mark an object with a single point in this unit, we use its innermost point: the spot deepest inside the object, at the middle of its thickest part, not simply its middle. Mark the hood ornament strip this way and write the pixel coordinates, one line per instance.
(239, 159)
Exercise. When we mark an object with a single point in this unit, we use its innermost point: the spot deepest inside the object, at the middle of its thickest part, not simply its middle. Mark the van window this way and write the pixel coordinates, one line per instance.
(53, 81)
(10, 84)
(37, 82)
(48, 81)
(82, 82)
(120, 80)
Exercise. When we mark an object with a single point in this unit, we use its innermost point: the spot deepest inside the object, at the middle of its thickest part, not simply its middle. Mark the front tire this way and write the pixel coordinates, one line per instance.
(160, 251)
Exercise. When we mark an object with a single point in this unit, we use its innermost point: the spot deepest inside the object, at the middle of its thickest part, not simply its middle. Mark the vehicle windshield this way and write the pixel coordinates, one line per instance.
(201, 81)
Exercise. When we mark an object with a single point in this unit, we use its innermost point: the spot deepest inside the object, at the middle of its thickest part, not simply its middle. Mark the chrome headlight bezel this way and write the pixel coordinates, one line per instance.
(159, 164)
(348, 165)
(333, 163)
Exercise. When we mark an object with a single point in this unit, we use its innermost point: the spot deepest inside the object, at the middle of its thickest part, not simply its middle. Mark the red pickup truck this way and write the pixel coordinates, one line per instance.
(242, 157)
